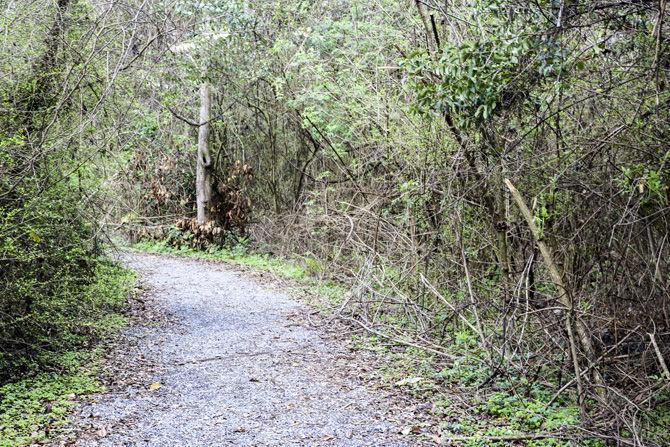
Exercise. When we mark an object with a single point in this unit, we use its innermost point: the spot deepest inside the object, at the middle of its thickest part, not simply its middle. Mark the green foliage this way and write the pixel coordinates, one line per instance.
(480, 77)
(312, 265)
(238, 255)
(56, 292)
(526, 413)
(465, 372)
(549, 208)
(35, 406)
(651, 186)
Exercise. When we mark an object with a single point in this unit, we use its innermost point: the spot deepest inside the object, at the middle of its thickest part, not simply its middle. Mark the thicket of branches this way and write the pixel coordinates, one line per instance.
(494, 167)
(491, 168)
(65, 71)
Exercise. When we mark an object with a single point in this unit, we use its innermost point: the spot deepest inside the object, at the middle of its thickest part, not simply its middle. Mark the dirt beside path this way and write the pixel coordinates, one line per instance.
(232, 369)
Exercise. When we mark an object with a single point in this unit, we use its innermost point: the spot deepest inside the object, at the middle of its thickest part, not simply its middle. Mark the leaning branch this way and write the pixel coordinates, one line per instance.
(564, 296)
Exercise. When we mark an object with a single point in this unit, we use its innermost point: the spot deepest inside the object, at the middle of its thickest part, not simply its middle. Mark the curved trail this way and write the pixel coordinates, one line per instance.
(234, 369)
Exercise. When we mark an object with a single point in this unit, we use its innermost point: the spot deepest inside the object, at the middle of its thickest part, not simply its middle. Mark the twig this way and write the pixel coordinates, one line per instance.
(587, 369)
(661, 360)
(572, 322)
(451, 306)
(399, 341)
(459, 235)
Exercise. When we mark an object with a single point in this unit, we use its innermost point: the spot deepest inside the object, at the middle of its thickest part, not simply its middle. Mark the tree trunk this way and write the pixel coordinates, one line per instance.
(426, 20)
(203, 185)
(45, 73)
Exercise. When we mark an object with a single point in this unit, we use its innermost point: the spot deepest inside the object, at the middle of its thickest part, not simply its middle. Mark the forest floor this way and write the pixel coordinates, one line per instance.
(227, 359)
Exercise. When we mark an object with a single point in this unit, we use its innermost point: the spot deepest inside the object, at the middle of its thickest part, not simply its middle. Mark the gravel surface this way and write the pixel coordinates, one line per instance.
(235, 367)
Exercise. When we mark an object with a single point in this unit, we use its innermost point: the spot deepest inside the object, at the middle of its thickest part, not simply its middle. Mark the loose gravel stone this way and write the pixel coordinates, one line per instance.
(233, 369)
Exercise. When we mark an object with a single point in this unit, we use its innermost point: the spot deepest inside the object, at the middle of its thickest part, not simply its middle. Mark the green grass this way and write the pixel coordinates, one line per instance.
(35, 408)
(284, 268)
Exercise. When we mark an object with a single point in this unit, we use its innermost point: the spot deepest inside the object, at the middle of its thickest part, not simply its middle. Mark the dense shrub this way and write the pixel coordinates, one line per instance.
(53, 152)
(49, 257)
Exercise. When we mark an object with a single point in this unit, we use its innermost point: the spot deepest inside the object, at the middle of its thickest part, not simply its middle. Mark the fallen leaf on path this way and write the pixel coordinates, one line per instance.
(415, 429)
(154, 386)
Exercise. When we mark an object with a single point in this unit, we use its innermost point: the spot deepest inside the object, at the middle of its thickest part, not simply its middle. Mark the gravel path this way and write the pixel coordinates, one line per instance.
(234, 369)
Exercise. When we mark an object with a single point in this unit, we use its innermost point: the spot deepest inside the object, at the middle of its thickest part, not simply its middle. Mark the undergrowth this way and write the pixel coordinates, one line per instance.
(511, 407)
(467, 409)
(472, 403)
(36, 406)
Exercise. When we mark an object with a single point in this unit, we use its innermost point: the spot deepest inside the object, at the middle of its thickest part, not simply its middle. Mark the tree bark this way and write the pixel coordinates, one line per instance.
(425, 19)
(203, 184)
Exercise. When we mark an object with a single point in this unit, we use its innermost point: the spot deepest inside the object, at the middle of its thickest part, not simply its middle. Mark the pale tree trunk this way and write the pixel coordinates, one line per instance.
(203, 185)
(430, 34)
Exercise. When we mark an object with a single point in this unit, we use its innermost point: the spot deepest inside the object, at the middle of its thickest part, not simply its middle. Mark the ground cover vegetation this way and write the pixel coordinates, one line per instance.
(489, 179)
(63, 68)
